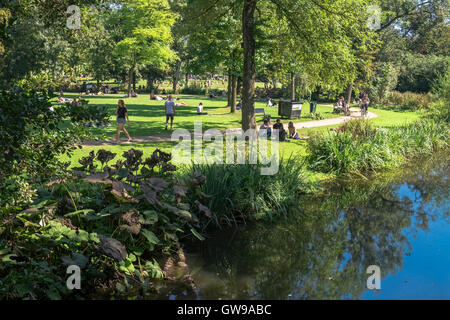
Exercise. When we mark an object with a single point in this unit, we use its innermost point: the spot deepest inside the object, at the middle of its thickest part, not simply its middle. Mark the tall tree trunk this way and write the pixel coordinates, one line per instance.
(176, 77)
(230, 77)
(349, 93)
(150, 83)
(130, 75)
(293, 87)
(134, 81)
(248, 92)
(239, 86)
(233, 94)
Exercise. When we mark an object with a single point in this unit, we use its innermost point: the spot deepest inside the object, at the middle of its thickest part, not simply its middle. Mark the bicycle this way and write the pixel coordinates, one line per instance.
(363, 109)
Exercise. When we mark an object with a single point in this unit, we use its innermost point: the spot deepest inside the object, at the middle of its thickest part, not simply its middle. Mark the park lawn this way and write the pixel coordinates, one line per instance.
(147, 118)
(390, 118)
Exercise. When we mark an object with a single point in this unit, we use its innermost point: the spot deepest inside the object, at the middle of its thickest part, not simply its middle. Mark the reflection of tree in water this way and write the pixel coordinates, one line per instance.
(323, 251)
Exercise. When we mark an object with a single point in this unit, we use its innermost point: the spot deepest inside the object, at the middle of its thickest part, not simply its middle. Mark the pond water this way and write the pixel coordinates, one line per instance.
(399, 222)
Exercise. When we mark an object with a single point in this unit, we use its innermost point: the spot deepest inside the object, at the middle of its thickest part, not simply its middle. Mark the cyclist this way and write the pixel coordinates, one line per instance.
(365, 101)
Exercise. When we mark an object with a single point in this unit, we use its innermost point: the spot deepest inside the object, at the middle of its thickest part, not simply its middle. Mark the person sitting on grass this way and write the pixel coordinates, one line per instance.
(281, 132)
(292, 131)
(265, 130)
(122, 113)
(200, 110)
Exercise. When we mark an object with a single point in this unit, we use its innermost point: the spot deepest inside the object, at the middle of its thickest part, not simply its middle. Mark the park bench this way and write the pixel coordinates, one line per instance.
(262, 112)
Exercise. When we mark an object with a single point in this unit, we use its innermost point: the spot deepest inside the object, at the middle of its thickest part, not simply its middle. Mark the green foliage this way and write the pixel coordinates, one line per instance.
(419, 72)
(358, 147)
(142, 30)
(441, 86)
(32, 136)
(194, 88)
(114, 220)
(408, 101)
(383, 82)
(88, 114)
(240, 193)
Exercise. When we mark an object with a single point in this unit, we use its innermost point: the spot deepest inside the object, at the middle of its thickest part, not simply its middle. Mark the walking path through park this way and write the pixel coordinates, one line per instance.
(354, 114)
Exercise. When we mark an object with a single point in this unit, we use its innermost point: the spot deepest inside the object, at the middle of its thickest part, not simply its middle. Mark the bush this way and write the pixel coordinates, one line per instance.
(442, 86)
(193, 88)
(357, 147)
(86, 114)
(32, 137)
(409, 101)
(385, 80)
(240, 193)
(113, 222)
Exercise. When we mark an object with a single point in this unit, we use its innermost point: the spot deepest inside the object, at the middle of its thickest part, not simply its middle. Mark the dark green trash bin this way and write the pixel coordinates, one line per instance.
(290, 109)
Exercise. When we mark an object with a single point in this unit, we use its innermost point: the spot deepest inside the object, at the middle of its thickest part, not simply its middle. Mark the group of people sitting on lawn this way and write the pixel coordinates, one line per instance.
(266, 131)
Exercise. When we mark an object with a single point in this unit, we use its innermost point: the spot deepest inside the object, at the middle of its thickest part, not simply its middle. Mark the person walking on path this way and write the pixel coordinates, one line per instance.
(122, 114)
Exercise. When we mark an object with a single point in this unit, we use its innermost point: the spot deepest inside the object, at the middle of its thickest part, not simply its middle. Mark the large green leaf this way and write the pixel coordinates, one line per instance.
(150, 236)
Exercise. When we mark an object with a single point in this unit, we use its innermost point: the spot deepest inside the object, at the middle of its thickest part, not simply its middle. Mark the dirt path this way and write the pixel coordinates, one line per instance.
(354, 114)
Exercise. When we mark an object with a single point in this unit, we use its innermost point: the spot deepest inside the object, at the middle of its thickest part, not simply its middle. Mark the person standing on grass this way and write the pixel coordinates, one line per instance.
(122, 114)
(169, 107)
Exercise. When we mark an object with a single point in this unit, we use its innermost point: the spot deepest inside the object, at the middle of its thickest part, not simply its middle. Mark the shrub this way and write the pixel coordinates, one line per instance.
(409, 101)
(385, 80)
(33, 134)
(357, 147)
(240, 193)
(112, 222)
(193, 88)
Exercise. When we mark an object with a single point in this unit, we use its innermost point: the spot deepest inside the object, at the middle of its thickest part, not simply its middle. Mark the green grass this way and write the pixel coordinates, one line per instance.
(389, 118)
(147, 118)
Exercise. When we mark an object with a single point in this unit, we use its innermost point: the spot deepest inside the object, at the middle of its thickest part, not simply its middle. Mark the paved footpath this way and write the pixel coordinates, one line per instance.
(354, 114)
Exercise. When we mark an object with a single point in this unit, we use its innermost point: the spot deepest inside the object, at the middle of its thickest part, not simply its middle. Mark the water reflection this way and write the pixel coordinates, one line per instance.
(323, 250)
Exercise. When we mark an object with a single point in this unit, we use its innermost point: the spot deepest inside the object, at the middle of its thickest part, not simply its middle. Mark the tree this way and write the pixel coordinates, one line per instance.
(144, 35)
(316, 27)
(213, 41)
